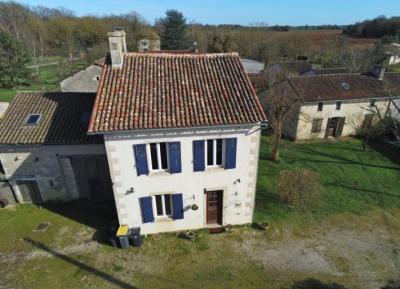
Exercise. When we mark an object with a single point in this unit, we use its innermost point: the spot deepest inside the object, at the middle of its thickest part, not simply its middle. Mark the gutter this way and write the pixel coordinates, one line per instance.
(263, 124)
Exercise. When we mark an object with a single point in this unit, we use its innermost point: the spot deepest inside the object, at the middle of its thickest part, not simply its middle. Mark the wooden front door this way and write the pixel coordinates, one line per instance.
(334, 127)
(214, 207)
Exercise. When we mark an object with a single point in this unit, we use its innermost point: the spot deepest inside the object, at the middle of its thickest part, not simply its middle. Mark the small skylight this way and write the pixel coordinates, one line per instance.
(33, 119)
(345, 86)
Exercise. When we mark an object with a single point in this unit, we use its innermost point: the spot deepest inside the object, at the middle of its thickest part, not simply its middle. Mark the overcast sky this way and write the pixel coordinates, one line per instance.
(290, 12)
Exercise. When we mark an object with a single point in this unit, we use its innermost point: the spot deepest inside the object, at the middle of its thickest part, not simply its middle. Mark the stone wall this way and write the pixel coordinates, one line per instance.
(48, 165)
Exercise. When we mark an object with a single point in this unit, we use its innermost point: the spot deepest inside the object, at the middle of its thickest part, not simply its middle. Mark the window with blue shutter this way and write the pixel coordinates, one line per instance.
(174, 151)
(147, 209)
(141, 159)
(177, 206)
(230, 153)
(198, 155)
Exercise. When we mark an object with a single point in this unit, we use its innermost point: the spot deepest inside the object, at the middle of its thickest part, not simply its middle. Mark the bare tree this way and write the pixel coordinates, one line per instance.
(280, 100)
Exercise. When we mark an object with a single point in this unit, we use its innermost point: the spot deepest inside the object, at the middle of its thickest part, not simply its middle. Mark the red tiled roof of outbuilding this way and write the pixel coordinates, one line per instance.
(164, 90)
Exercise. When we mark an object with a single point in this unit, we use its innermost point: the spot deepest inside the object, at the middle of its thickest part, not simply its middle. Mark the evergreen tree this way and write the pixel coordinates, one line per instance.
(173, 31)
(12, 61)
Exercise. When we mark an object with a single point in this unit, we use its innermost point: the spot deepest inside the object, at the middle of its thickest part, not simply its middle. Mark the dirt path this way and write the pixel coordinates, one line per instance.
(369, 254)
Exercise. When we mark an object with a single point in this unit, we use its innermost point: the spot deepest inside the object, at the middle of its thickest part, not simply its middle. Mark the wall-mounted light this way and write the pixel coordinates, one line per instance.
(130, 191)
(236, 182)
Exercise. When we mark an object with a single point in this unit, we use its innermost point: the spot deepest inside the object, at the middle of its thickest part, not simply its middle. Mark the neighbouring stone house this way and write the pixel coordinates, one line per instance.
(46, 153)
(86, 80)
(336, 105)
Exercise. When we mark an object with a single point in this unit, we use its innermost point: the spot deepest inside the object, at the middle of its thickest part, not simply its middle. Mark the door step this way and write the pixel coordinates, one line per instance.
(217, 230)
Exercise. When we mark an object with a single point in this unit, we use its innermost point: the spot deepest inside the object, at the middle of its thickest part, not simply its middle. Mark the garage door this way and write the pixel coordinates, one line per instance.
(92, 178)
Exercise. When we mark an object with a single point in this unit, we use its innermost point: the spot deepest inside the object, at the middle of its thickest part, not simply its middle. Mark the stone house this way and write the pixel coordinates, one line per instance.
(85, 80)
(173, 138)
(336, 105)
(182, 133)
(46, 153)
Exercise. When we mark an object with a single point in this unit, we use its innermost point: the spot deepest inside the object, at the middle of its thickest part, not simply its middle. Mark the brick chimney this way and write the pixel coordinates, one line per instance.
(117, 40)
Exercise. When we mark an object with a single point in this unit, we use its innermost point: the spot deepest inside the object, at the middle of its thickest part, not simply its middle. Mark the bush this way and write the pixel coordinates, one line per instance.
(300, 188)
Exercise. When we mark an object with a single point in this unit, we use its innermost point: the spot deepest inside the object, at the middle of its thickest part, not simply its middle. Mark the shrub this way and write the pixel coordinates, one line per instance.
(300, 188)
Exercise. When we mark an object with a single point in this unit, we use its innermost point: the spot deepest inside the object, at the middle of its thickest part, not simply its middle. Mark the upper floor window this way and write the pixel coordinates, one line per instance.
(338, 105)
(214, 152)
(33, 119)
(163, 205)
(320, 106)
(372, 103)
(158, 156)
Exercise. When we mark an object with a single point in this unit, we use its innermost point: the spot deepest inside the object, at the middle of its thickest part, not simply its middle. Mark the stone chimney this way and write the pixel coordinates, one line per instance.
(117, 40)
(195, 47)
(378, 71)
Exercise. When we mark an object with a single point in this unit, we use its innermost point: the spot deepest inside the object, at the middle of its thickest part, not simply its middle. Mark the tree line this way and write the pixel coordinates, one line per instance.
(46, 31)
(375, 28)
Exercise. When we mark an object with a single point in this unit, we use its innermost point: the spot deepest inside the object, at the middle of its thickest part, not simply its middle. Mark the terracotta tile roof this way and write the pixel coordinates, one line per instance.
(164, 90)
(62, 119)
(337, 87)
(293, 67)
(391, 81)
(324, 71)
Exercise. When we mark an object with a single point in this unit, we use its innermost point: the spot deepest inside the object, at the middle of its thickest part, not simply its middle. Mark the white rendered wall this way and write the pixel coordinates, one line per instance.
(354, 112)
(238, 184)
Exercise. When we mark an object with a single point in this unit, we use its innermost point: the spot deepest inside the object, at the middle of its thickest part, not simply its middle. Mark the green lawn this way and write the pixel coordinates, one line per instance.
(354, 181)
(49, 77)
(361, 201)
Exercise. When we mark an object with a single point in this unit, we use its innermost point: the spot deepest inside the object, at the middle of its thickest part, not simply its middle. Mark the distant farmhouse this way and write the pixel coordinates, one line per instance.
(173, 138)
(336, 105)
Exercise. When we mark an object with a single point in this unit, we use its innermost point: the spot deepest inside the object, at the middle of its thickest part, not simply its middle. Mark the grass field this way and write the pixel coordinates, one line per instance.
(350, 241)
(354, 181)
(48, 79)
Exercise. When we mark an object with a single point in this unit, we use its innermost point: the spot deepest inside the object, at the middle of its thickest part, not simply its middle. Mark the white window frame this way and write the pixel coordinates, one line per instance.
(214, 165)
(33, 114)
(164, 214)
(160, 169)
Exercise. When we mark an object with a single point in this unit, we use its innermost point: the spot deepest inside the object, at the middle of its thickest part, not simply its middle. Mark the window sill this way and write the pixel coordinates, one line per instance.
(163, 220)
(214, 169)
(159, 173)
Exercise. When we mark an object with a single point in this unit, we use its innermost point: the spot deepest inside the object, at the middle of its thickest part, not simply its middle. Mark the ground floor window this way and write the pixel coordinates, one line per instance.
(29, 191)
(163, 205)
(316, 125)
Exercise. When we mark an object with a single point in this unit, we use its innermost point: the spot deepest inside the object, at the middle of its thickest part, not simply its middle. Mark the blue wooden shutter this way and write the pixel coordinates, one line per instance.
(174, 151)
(230, 153)
(177, 206)
(141, 159)
(198, 156)
(147, 209)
